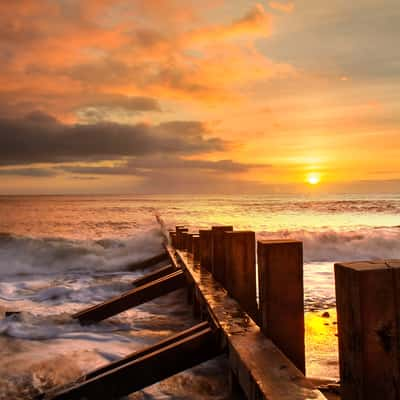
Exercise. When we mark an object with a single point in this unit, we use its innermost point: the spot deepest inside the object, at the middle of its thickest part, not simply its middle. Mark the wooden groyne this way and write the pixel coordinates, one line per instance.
(248, 298)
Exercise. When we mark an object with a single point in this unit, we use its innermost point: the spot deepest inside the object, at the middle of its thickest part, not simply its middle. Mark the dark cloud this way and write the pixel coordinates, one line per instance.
(85, 178)
(89, 106)
(40, 117)
(147, 166)
(128, 103)
(30, 172)
(172, 74)
(105, 108)
(226, 166)
(196, 177)
(39, 138)
(196, 181)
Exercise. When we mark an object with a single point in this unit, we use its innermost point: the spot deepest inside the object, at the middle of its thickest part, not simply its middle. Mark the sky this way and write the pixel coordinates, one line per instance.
(157, 96)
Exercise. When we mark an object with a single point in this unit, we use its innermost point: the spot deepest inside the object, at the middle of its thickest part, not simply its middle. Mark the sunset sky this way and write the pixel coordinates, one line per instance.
(157, 96)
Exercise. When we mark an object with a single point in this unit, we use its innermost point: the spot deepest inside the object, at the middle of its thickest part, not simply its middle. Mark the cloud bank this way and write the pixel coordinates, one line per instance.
(40, 138)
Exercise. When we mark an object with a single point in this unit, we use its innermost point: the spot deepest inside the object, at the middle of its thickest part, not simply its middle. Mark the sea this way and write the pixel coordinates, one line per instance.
(60, 254)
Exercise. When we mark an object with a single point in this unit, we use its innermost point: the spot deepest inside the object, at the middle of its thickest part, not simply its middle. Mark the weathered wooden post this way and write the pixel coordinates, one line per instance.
(281, 296)
(218, 252)
(184, 240)
(179, 233)
(177, 228)
(368, 310)
(240, 253)
(196, 248)
(205, 248)
(189, 242)
(177, 239)
(172, 236)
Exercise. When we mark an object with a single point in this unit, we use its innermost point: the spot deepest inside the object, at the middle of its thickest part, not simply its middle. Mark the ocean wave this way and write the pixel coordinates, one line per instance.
(29, 326)
(353, 245)
(20, 255)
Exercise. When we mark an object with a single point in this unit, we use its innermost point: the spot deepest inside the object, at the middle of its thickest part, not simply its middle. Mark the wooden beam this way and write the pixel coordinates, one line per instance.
(218, 252)
(367, 301)
(132, 298)
(150, 349)
(186, 241)
(262, 370)
(146, 370)
(150, 262)
(154, 275)
(179, 240)
(196, 248)
(280, 271)
(189, 242)
(240, 247)
(205, 249)
(172, 237)
(183, 238)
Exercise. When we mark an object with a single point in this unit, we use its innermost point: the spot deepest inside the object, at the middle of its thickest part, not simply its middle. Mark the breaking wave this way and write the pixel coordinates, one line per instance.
(21, 255)
(331, 245)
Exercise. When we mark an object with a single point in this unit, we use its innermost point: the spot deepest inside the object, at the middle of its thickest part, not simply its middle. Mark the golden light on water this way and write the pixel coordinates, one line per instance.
(313, 178)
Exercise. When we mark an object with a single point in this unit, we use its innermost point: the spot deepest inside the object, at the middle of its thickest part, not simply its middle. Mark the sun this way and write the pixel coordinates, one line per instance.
(313, 178)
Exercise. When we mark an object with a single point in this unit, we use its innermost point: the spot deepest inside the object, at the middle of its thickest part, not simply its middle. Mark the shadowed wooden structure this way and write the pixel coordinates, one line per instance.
(240, 259)
(154, 275)
(281, 266)
(154, 363)
(230, 317)
(132, 298)
(261, 331)
(368, 307)
(218, 263)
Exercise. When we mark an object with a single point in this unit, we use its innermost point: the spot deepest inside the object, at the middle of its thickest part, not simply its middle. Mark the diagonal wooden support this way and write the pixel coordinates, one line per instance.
(147, 263)
(157, 364)
(154, 275)
(141, 353)
(132, 298)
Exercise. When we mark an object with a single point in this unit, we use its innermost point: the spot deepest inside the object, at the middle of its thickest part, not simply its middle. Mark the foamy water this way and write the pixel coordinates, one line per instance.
(61, 254)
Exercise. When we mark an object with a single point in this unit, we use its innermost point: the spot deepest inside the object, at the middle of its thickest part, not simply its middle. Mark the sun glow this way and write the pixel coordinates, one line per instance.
(313, 178)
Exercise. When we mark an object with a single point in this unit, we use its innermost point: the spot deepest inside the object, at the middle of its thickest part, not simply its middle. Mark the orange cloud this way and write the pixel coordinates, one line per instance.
(67, 54)
(283, 7)
(255, 22)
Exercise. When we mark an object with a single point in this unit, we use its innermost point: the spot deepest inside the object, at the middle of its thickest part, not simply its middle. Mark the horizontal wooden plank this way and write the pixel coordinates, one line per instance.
(132, 298)
(125, 360)
(150, 349)
(146, 370)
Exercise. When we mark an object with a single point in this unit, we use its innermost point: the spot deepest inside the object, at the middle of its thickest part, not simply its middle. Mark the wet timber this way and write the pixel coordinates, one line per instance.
(132, 298)
(154, 275)
(260, 368)
(146, 367)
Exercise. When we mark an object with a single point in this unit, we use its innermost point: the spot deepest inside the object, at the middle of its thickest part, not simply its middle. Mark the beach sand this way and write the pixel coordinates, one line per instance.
(322, 344)
(322, 355)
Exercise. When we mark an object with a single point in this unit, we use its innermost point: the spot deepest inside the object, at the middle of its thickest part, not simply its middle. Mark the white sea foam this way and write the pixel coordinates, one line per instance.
(25, 255)
(352, 245)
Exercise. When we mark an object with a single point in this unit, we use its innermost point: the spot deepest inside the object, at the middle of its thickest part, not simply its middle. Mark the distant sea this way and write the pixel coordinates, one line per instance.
(59, 254)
